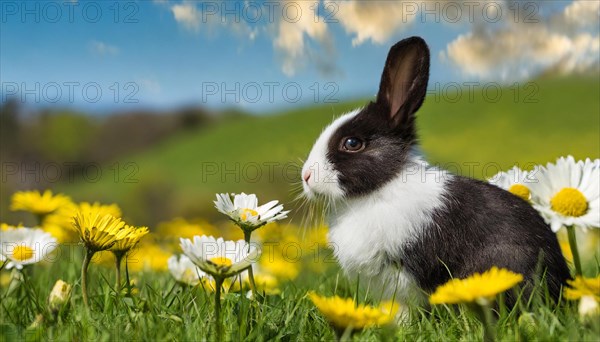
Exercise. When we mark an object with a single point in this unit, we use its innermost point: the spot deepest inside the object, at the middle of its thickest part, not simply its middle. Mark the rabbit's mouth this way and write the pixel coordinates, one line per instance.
(321, 181)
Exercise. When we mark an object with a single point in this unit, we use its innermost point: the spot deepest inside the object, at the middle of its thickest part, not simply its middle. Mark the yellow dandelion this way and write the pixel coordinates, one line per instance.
(316, 237)
(581, 287)
(102, 209)
(274, 262)
(279, 233)
(103, 258)
(60, 222)
(267, 284)
(230, 285)
(148, 256)
(122, 247)
(169, 232)
(478, 287)
(344, 312)
(37, 203)
(129, 241)
(99, 232)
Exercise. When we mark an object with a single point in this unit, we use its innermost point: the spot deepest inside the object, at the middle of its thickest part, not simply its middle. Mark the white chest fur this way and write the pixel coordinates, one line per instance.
(366, 231)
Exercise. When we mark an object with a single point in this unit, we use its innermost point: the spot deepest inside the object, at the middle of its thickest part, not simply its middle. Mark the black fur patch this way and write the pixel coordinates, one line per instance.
(385, 153)
(481, 226)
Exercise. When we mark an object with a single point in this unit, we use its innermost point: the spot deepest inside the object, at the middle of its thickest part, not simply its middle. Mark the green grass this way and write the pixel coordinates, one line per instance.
(490, 136)
(165, 310)
(565, 120)
(476, 137)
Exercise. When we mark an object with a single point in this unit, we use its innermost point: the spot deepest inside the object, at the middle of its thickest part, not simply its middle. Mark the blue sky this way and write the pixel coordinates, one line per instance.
(159, 54)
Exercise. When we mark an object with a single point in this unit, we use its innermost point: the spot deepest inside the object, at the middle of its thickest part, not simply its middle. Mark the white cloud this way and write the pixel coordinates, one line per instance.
(103, 49)
(512, 48)
(564, 43)
(377, 21)
(187, 15)
(292, 32)
(192, 18)
(581, 14)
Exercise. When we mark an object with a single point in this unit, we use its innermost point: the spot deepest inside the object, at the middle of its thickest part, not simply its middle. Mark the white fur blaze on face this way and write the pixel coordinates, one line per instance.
(318, 174)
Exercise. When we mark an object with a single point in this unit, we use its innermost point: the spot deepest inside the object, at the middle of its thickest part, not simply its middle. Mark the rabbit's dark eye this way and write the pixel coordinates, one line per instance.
(352, 144)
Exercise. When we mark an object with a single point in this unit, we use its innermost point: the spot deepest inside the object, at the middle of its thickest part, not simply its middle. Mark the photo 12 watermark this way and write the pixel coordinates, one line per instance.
(489, 92)
(52, 12)
(69, 172)
(329, 12)
(290, 172)
(70, 92)
(269, 91)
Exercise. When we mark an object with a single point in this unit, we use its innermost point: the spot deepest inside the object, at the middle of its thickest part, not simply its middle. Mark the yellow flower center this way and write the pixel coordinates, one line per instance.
(569, 202)
(22, 253)
(521, 191)
(221, 261)
(248, 212)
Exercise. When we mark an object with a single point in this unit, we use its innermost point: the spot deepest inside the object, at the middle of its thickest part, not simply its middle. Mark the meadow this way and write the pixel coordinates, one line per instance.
(476, 136)
(174, 183)
(157, 307)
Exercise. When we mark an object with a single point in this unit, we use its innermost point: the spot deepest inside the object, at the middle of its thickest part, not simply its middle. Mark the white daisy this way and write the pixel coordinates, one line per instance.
(184, 270)
(245, 211)
(568, 193)
(23, 246)
(218, 257)
(516, 181)
(588, 306)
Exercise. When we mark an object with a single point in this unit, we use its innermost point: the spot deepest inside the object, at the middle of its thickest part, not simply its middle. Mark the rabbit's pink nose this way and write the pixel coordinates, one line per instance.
(306, 175)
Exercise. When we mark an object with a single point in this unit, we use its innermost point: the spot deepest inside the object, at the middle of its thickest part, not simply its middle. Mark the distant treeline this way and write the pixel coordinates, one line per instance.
(74, 139)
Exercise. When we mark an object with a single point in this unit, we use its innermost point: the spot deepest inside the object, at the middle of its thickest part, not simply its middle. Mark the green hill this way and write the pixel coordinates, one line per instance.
(483, 133)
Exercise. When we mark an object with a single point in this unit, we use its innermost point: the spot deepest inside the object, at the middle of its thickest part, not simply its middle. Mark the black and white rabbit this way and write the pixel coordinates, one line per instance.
(405, 225)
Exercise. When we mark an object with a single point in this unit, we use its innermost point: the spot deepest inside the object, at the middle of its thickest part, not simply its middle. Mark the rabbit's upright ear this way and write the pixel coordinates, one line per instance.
(404, 80)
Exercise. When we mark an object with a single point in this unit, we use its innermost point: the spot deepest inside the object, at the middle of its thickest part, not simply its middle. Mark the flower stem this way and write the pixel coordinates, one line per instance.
(118, 258)
(127, 278)
(218, 323)
(574, 250)
(247, 235)
(486, 316)
(346, 334)
(84, 280)
(489, 334)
